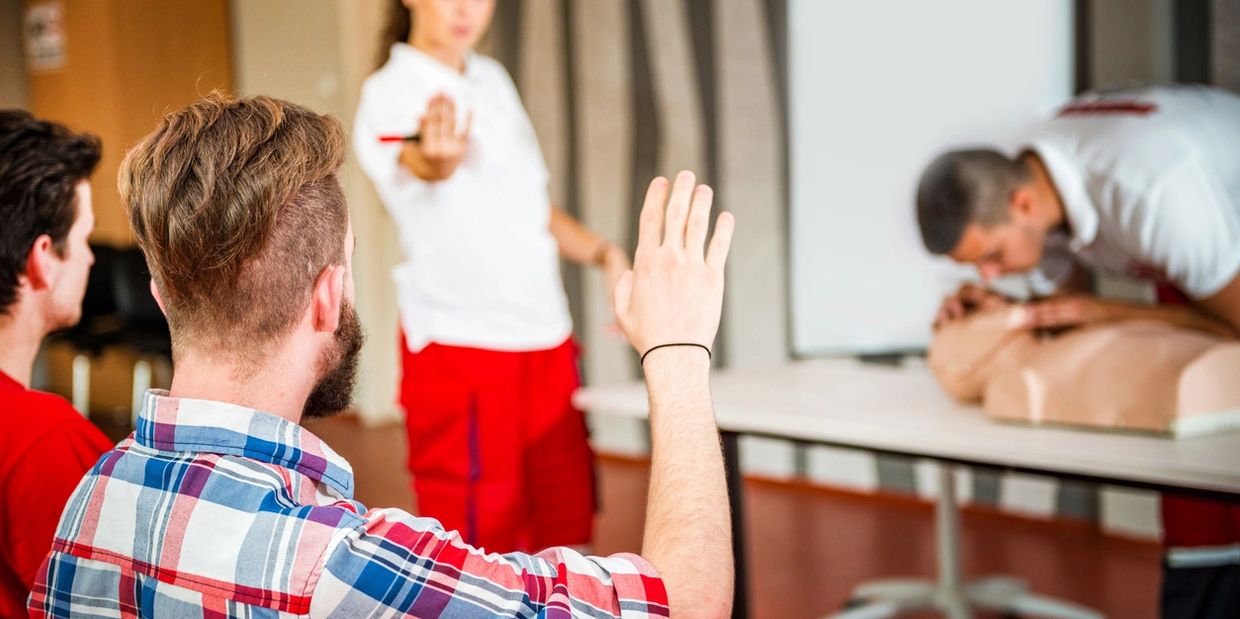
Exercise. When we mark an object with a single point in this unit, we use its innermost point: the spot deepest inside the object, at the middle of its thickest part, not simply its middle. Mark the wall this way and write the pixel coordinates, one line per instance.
(1225, 39)
(12, 60)
(126, 62)
(272, 54)
(1131, 41)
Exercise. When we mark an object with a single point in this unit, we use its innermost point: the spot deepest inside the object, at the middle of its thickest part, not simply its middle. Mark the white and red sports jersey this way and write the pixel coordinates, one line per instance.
(1150, 182)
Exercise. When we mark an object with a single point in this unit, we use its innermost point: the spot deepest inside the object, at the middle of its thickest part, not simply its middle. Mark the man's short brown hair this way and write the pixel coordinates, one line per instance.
(237, 205)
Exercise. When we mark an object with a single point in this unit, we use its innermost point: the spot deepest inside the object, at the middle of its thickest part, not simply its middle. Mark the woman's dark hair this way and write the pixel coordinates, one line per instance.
(399, 27)
(41, 164)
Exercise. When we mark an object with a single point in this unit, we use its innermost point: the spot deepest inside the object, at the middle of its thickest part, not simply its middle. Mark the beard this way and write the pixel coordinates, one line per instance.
(333, 393)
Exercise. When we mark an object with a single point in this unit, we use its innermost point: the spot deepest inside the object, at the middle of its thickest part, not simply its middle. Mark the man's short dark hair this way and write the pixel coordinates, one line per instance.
(963, 187)
(41, 164)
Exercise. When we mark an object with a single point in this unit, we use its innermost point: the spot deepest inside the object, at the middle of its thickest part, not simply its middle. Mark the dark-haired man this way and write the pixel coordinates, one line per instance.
(45, 446)
(1142, 182)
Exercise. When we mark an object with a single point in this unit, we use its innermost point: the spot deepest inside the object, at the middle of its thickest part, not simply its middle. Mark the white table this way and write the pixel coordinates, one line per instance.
(847, 403)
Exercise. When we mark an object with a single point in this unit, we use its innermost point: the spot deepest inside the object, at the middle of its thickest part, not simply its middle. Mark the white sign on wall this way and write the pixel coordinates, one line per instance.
(877, 89)
(45, 36)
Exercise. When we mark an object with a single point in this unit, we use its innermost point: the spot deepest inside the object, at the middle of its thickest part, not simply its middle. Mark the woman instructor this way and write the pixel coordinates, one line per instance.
(496, 449)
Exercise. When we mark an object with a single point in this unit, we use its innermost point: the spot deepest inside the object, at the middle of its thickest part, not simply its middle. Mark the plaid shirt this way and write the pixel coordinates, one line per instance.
(215, 510)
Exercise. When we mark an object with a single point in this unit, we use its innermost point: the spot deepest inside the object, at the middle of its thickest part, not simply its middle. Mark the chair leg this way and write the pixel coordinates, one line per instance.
(81, 384)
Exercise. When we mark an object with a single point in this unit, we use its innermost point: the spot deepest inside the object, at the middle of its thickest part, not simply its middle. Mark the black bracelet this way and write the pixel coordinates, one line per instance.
(647, 353)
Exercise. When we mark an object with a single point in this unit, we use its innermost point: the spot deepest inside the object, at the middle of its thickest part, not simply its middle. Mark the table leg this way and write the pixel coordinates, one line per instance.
(947, 540)
(732, 467)
(950, 595)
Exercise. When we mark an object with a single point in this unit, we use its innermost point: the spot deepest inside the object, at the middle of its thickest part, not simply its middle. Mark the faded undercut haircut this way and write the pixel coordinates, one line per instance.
(237, 205)
(964, 187)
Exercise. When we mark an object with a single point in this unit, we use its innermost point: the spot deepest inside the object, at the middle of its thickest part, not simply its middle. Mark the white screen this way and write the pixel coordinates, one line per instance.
(877, 89)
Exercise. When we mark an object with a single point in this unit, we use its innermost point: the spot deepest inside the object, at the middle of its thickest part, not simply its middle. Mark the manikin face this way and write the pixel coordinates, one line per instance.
(451, 24)
(73, 268)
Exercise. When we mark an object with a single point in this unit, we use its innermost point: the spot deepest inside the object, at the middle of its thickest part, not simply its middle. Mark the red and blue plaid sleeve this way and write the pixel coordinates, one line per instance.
(392, 561)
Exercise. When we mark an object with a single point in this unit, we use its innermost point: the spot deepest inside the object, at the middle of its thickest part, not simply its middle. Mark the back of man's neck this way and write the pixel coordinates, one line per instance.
(266, 390)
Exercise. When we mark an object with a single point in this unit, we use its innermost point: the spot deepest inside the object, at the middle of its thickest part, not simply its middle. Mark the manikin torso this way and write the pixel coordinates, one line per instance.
(1130, 375)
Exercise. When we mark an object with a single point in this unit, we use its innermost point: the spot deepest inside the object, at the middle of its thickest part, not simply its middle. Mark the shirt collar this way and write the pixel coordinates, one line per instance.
(1069, 181)
(409, 55)
(204, 426)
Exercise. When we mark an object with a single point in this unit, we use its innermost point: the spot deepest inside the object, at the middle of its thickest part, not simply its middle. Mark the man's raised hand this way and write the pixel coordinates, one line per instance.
(674, 293)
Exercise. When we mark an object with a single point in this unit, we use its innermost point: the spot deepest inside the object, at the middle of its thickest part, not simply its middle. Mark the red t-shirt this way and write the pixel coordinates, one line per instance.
(45, 449)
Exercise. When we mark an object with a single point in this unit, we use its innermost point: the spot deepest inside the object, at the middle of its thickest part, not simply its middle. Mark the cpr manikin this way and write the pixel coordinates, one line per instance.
(1130, 375)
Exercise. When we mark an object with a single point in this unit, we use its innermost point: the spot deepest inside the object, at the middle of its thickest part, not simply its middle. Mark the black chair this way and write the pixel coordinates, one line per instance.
(98, 304)
(90, 335)
(140, 323)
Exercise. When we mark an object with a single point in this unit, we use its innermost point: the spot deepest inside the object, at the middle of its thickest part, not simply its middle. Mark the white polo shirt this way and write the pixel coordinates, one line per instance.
(1150, 182)
(480, 268)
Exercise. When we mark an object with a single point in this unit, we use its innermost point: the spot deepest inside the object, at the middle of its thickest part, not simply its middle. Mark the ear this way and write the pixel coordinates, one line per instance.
(41, 264)
(327, 298)
(1021, 203)
(159, 299)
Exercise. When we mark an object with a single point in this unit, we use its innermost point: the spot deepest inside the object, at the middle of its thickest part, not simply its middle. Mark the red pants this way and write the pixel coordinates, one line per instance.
(496, 449)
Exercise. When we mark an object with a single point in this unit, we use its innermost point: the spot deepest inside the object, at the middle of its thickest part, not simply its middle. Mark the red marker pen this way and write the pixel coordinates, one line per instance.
(417, 137)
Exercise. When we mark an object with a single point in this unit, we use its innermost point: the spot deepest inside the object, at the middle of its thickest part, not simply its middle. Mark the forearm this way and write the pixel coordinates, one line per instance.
(1225, 305)
(576, 242)
(688, 527)
(1185, 316)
